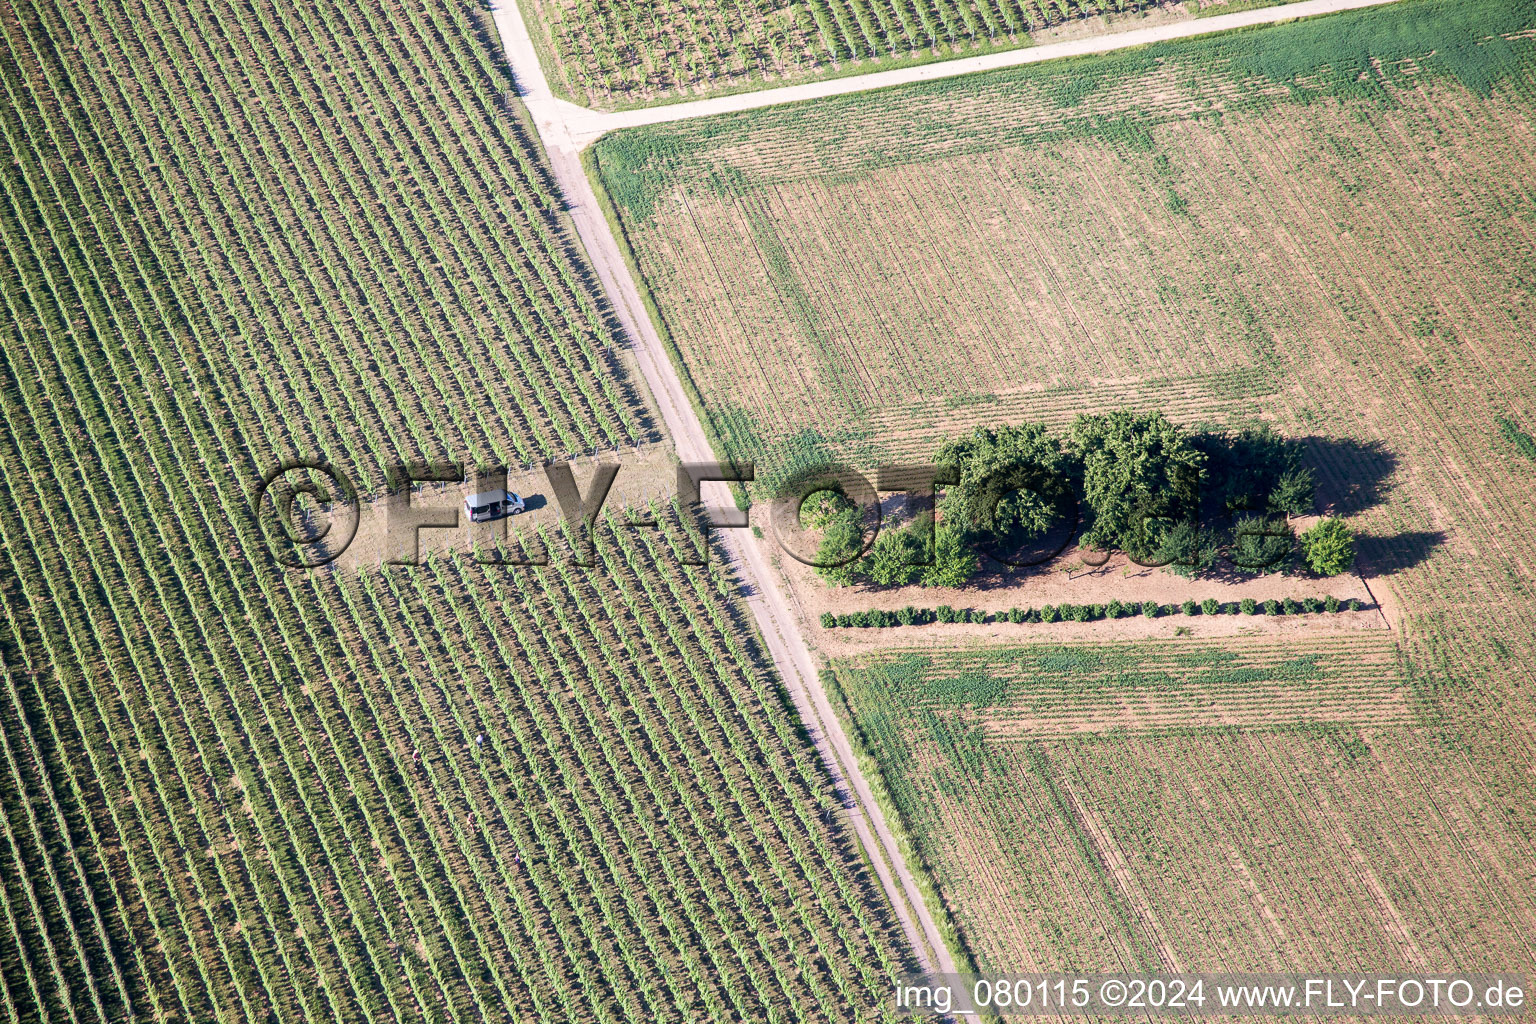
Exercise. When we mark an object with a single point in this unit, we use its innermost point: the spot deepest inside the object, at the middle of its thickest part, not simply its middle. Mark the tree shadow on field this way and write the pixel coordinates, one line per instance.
(1008, 562)
(1352, 475)
(1383, 556)
(1226, 571)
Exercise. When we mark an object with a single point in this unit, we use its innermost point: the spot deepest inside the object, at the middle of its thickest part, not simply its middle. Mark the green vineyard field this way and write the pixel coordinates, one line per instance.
(241, 234)
(605, 54)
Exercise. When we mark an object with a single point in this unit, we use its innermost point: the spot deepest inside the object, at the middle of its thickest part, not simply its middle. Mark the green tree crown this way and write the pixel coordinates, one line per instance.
(1329, 547)
(1138, 469)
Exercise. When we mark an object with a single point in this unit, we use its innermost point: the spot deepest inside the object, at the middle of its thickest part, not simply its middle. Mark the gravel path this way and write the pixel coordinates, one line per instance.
(583, 126)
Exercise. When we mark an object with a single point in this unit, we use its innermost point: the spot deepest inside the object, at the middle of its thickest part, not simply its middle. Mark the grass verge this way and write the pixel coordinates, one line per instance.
(922, 872)
(1238, 5)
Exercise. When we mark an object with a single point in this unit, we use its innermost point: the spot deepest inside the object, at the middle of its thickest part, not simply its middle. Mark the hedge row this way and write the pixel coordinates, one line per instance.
(910, 616)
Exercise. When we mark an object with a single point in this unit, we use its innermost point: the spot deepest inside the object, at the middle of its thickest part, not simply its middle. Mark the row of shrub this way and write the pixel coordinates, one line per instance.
(910, 616)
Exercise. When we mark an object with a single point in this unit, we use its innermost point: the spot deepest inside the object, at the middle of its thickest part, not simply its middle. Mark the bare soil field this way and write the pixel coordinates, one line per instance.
(1174, 834)
(1273, 228)
(1079, 576)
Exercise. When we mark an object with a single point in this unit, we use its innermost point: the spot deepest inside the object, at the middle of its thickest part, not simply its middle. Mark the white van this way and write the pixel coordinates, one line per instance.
(489, 505)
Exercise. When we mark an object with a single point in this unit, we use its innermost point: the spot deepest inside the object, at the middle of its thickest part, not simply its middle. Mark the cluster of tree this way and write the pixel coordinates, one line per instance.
(1136, 482)
(910, 616)
(1256, 481)
(920, 552)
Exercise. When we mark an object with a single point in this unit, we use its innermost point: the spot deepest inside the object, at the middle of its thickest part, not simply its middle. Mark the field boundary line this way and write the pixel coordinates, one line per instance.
(585, 126)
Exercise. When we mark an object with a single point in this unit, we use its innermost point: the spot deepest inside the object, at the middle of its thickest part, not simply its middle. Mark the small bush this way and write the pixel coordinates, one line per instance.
(1187, 550)
(828, 620)
(1048, 613)
(977, 615)
(1151, 609)
(1249, 606)
(1354, 604)
(1191, 607)
(1331, 603)
(1294, 492)
(1081, 613)
(1272, 607)
(1291, 606)
(1210, 606)
(1261, 543)
(1312, 604)
(1096, 612)
(945, 613)
(1114, 609)
(1016, 614)
(1329, 547)
(906, 616)
(1522, 441)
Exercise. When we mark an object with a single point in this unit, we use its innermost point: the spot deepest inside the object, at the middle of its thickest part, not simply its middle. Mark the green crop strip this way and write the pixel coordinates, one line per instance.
(995, 679)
